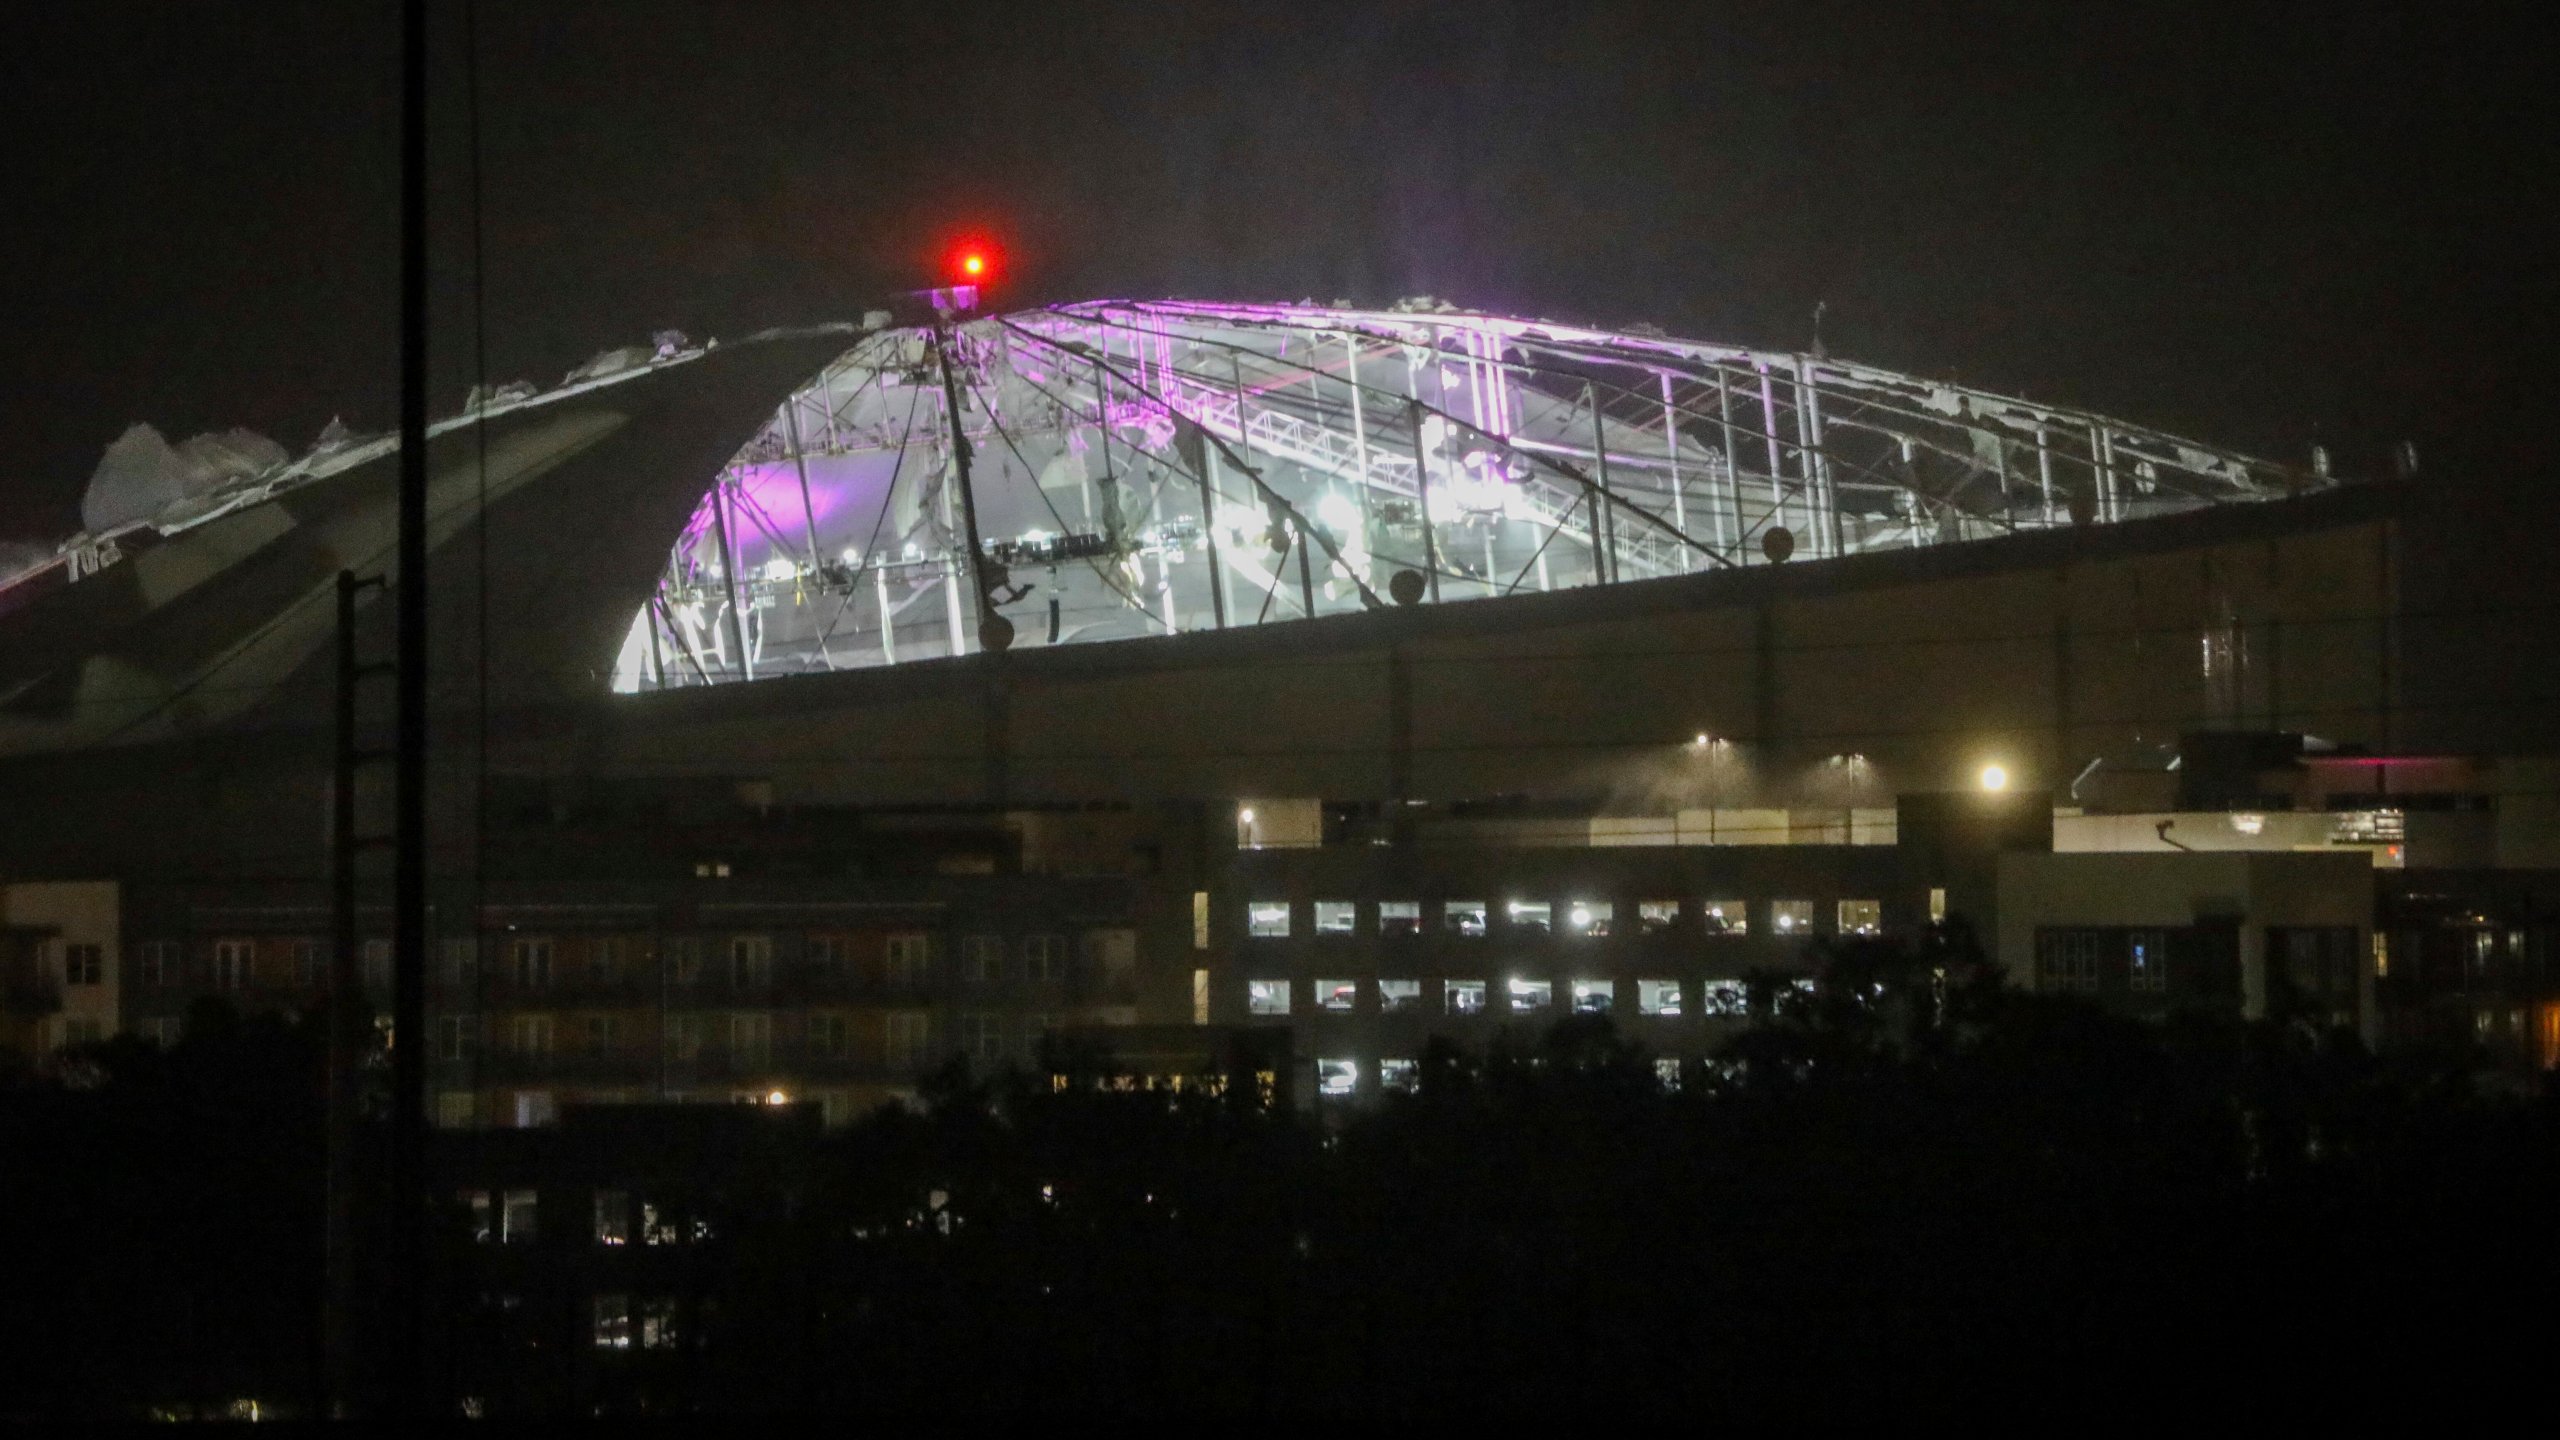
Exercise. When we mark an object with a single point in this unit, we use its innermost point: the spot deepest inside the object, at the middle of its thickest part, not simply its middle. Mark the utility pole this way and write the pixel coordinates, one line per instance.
(408, 1227)
(349, 1020)
(994, 631)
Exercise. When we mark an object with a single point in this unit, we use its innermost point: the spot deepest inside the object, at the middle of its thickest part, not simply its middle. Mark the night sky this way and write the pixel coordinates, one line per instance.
(2263, 224)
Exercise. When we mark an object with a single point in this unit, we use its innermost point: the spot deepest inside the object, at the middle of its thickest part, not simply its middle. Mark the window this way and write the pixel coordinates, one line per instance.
(751, 1039)
(1336, 917)
(78, 1030)
(1937, 903)
(1462, 997)
(460, 1110)
(981, 959)
(1267, 919)
(657, 1317)
(613, 1322)
(1534, 917)
(461, 962)
(1266, 997)
(829, 1036)
(84, 964)
(1657, 997)
(908, 1031)
(1725, 917)
(1399, 917)
(1589, 918)
(1861, 917)
(1791, 917)
(532, 1034)
(1462, 917)
(751, 962)
(2067, 960)
(826, 958)
(1657, 917)
(1666, 1073)
(162, 1030)
(1337, 995)
(613, 1217)
(519, 1217)
(982, 1038)
(658, 1226)
(680, 961)
(910, 960)
(1402, 1075)
(377, 966)
(535, 1108)
(529, 962)
(2147, 962)
(1111, 960)
(1199, 919)
(1527, 995)
(231, 961)
(1724, 997)
(684, 1037)
(475, 1207)
(1044, 959)
(453, 1037)
(1337, 1077)
(606, 960)
(1395, 995)
(159, 963)
(1594, 997)
(603, 1034)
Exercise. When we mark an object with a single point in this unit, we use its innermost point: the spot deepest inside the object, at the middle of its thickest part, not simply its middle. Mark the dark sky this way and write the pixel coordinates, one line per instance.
(2263, 224)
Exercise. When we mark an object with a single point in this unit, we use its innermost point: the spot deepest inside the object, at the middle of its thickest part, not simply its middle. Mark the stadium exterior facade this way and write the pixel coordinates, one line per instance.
(815, 708)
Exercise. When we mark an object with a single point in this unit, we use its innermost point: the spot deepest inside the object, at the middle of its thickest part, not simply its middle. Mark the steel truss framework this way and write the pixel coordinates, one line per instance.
(1149, 468)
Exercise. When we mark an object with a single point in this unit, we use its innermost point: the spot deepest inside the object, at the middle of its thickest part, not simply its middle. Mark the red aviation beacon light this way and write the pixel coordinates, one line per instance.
(968, 269)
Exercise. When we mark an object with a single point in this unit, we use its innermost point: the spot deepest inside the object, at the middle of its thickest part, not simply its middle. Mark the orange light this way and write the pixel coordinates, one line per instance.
(973, 264)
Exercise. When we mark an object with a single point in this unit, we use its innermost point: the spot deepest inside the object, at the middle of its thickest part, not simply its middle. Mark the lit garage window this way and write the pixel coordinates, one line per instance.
(1791, 917)
(1394, 995)
(1666, 1072)
(1334, 917)
(1861, 917)
(1531, 994)
(1463, 917)
(1337, 1077)
(1399, 917)
(1726, 917)
(1337, 994)
(1531, 916)
(1724, 997)
(1464, 997)
(1594, 997)
(1657, 997)
(1657, 917)
(1267, 919)
(1267, 997)
(1398, 1075)
(1588, 917)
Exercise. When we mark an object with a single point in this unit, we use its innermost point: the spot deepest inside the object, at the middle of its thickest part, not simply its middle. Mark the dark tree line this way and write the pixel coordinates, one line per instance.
(1912, 1195)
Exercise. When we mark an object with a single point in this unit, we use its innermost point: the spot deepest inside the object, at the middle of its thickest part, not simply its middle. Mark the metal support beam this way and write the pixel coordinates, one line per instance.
(1671, 452)
(1604, 514)
(729, 577)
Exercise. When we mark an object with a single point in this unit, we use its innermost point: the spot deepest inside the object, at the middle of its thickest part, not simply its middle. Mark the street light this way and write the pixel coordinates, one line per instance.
(1995, 778)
